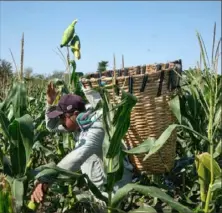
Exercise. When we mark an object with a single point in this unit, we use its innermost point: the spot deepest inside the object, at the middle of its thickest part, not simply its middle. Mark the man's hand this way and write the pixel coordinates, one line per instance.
(51, 93)
(38, 193)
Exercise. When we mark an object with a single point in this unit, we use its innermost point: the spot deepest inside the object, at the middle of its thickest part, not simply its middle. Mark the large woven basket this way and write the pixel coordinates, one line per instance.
(153, 85)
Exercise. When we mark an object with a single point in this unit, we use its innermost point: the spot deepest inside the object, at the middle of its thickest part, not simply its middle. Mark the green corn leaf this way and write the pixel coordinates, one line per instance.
(175, 107)
(6, 103)
(204, 159)
(203, 178)
(217, 185)
(217, 116)
(161, 141)
(121, 122)
(151, 191)
(10, 115)
(16, 101)
(4, 124)
(51, 173)
(40, 148)
(143, 147)
(22, 138)
(67, 142)
(218, 149)
(115, 170)
(19, 101)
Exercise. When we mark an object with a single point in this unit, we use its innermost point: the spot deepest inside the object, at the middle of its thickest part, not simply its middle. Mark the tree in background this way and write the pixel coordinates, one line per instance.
(28, 72)
(6, 74)
(5, 69)
(40, 76)
(102, 66)
(57, 74)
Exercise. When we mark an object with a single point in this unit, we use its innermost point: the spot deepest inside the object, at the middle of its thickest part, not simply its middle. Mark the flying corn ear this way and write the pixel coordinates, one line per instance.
(68, 34)
(77, 54)
(75, 46)
(75, 43)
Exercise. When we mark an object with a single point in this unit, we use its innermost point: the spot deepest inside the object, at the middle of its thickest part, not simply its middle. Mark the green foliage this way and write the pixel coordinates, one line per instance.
(102, 65)
(28, 151)
(5, 69)
(146, 190)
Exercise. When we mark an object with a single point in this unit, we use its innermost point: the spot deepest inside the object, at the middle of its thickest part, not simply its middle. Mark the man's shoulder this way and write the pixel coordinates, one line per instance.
(97, 118)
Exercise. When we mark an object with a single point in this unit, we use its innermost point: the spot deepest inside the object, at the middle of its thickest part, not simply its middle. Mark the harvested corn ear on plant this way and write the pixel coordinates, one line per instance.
(71, 40)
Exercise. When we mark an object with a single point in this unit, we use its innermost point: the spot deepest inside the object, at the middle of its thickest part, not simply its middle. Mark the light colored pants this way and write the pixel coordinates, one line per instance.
(88, 156)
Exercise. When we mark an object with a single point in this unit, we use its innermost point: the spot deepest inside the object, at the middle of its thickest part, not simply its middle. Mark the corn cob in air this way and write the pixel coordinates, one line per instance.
(75, 43)
(75, 46)
(68, 34)
(77, 54)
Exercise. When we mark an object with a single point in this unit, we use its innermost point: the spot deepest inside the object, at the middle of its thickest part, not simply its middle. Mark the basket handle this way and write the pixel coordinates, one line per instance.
(145, 80)
(160, 83)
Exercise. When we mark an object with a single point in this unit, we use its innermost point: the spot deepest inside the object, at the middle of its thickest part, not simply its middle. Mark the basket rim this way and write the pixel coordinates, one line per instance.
(152, 74)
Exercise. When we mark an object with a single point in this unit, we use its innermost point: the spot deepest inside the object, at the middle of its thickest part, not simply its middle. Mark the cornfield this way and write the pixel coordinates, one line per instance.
(28, 151)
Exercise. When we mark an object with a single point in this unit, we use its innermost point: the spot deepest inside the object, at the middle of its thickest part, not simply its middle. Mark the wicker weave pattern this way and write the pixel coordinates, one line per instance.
(149, 118)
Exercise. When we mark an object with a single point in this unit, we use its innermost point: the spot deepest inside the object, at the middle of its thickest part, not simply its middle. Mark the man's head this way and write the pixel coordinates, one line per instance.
(68, 108)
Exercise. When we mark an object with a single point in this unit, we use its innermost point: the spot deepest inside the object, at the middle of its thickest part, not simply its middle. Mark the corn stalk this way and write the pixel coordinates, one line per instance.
(213, 80)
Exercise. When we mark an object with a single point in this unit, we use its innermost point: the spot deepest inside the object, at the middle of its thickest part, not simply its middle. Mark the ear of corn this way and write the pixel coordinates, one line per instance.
(77, 54)
(202, 162)
(68, 34)
(203, 179)
(205, 158)
(75, 43)
(31, 205)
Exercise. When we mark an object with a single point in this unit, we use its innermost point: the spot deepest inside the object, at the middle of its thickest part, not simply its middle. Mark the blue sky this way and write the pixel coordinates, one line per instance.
(144, 32)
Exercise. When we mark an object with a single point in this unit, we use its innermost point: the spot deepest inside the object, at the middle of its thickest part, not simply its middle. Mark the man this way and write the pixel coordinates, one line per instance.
(70, 115)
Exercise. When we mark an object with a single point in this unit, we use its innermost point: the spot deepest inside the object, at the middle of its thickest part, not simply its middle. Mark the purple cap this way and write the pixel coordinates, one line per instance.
(68, 104)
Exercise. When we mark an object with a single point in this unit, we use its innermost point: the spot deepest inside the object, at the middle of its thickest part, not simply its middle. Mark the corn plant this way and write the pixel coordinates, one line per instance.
(22, 136)
(198, 110)
(200, 103)
(18, 131)
(116, 121)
